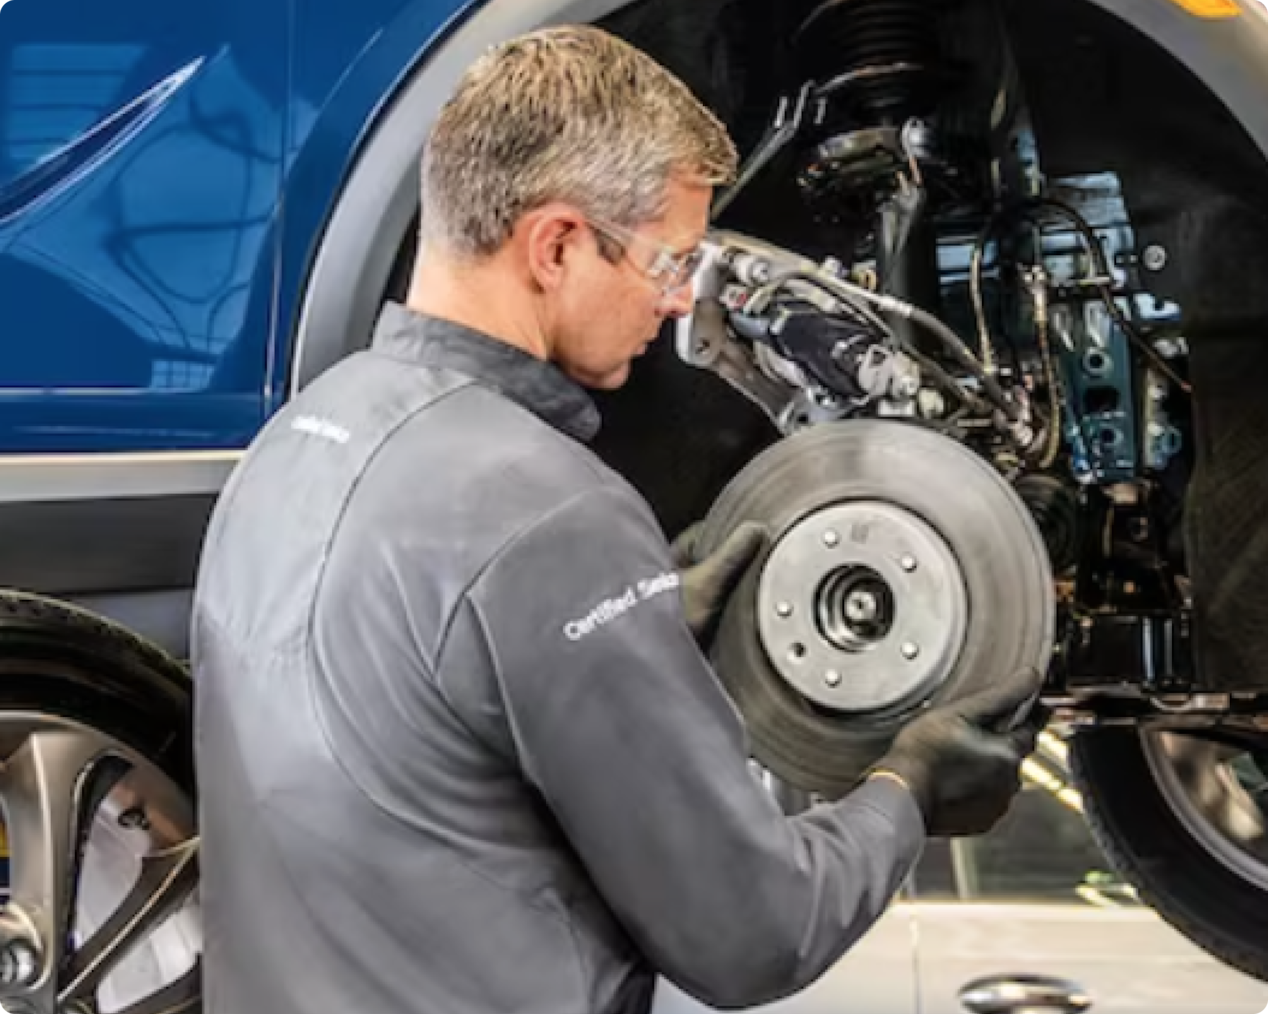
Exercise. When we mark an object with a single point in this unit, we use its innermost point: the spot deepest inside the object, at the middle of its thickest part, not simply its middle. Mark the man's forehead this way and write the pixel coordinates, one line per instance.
(683, 231)
(681, 240)
(685, 240)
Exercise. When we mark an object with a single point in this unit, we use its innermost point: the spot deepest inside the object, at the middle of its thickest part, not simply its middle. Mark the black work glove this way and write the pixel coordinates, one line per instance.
(707, 583)
(962, 761)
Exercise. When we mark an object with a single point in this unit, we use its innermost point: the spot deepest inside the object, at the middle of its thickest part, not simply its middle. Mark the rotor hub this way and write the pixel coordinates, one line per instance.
(862, 608)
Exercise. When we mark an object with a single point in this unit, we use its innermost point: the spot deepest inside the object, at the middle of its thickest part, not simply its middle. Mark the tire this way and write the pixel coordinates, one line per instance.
(1174, 873)
(73, 668)
(72, 663)
(988, 530)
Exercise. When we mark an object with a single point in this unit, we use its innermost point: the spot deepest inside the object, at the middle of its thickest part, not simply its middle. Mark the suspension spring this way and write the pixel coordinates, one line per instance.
(878, 55)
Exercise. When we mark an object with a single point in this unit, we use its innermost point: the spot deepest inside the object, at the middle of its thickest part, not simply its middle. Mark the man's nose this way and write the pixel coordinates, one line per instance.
(678, 302)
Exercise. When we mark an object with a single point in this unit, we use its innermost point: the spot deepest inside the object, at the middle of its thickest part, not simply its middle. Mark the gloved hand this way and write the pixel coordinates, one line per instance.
(707, 583)
(962, 761)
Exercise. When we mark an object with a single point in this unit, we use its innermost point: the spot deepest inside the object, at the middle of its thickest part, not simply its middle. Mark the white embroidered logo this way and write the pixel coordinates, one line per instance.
(610, 609)
(318, 427)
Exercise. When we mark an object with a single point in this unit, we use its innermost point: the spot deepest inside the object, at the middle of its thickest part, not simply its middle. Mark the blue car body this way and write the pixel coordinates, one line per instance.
(164, 171)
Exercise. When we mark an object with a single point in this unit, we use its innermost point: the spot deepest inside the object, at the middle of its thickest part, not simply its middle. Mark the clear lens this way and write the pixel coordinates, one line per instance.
(668, 271)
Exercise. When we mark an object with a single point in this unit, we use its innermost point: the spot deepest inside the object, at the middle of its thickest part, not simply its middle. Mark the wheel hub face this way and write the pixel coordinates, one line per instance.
(862, 608)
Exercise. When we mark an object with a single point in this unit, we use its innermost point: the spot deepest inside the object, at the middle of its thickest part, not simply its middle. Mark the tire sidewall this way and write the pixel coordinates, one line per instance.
(1175, 875)
(58, 660)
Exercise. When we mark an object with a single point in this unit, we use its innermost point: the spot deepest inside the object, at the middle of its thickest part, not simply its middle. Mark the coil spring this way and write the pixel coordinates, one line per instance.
(880, 54)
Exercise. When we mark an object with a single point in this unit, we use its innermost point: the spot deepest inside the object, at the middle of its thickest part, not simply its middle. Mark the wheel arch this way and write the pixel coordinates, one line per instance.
(1121, 81)
(1228, 55)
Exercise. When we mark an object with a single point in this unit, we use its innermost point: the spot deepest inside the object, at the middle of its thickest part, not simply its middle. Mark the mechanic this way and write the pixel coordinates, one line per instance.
(460, 747)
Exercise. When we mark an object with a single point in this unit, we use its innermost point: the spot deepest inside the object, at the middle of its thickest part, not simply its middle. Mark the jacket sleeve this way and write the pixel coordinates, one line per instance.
(621, 724)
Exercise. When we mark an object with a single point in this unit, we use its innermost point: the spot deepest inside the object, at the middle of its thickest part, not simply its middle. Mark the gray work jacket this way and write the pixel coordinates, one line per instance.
(458, 751)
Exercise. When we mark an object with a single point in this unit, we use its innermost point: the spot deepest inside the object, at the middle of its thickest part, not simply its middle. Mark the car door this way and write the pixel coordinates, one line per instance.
(140, 157)
(1037, 899)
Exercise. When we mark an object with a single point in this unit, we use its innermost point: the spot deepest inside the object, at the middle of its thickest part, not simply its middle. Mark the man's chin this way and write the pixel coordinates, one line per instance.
(600, 381)
(612, 380)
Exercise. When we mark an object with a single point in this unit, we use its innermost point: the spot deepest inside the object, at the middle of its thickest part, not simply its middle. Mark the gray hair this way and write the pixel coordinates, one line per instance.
(568, 114)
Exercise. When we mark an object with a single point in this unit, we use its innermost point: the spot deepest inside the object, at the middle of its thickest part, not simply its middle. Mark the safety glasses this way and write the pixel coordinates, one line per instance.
(668, 270)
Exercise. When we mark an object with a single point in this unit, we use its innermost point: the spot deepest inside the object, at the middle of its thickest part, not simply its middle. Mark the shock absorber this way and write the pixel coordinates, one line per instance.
(875, 64)
(875, 59)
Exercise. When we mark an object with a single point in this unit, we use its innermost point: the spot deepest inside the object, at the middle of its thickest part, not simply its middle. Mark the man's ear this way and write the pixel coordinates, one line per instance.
(551, 235)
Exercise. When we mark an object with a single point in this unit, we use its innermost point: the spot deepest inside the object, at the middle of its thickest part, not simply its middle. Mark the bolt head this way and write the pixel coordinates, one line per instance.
(19, 964)
(134, 819)
(910, 650)
(831, 538)
(908, 563)
(784, 609)
(1154, 257)
(861, 607)
(832, 678)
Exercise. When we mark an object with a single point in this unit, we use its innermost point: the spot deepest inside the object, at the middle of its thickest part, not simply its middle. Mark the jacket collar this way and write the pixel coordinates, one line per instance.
(538, 386)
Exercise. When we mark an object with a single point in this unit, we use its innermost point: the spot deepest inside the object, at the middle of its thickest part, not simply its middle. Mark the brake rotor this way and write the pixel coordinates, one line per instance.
(903, 571)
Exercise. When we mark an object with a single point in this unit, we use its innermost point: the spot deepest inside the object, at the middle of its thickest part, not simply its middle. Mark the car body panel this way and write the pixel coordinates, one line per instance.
(152, 155)
(920, 957)
(139, 188)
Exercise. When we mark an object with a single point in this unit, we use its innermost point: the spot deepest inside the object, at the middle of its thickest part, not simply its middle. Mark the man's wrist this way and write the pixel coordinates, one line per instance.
(910, 783)
(893, 776)
(909, 776)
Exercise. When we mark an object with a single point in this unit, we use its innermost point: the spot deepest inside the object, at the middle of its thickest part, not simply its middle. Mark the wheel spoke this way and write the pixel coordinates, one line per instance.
(166, 880)
(184, 996)
(44, 784)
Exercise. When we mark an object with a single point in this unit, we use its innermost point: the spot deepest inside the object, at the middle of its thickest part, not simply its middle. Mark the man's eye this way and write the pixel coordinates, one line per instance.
(687, 266)
(665, 267)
